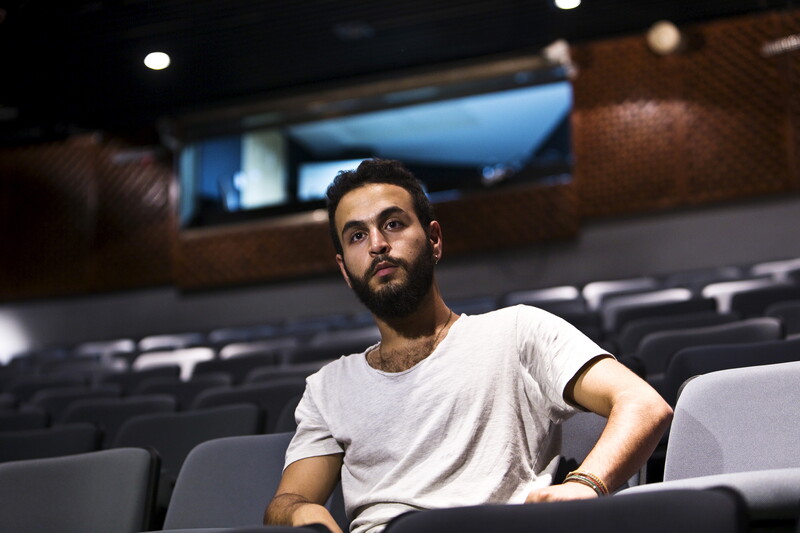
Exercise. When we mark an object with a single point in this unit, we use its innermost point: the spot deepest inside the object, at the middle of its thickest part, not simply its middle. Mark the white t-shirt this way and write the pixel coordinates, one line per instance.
(470, 424)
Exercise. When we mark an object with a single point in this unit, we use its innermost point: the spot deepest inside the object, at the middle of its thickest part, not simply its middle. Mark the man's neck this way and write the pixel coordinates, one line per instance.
(423, 324)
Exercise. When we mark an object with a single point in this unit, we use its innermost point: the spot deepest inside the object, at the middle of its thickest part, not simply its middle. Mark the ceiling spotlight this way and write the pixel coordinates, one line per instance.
(567, 4)
(664, 38)
(156, 60)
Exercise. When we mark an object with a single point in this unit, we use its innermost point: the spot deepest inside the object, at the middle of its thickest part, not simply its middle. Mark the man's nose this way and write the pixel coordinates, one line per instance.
(377, 243)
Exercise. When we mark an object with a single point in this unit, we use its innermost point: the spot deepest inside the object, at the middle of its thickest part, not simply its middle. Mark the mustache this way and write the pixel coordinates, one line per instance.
(386, 259)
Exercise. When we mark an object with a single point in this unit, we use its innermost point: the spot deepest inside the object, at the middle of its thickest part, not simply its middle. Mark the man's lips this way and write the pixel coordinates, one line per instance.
(384, 268)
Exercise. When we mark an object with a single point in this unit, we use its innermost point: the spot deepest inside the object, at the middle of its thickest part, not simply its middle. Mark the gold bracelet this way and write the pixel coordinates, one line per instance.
(588, 479)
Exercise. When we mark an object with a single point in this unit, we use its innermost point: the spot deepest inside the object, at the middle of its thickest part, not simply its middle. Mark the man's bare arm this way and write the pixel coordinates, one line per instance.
(637, 418)
(301, 495)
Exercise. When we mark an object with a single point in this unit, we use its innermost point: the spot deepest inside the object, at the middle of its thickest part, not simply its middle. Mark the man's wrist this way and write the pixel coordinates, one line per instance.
(589, 480)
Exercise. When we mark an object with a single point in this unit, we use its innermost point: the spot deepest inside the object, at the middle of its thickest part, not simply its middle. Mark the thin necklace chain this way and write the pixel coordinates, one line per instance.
(435, 340)
(449, 318)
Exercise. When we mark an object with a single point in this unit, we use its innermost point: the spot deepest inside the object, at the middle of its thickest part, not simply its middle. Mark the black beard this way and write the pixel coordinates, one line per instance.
(396, 299)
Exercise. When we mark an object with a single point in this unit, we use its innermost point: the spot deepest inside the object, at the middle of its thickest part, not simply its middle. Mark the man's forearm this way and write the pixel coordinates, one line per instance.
(633, 430)
(295, 510)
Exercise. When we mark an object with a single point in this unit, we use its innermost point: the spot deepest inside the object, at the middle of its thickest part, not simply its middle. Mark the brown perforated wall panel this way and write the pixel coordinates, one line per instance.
(714, 123)
(710, 123)
(251, 253)
(78, 219)
(790, 24)
(258, 252)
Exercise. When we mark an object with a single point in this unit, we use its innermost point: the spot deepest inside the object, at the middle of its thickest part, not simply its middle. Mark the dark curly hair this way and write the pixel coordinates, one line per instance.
(376, 171)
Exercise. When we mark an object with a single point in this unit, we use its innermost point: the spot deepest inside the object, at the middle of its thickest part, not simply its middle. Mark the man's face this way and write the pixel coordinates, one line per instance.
(388, 257)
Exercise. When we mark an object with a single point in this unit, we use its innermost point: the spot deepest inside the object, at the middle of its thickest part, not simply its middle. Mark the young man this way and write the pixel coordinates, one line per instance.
(447, 410)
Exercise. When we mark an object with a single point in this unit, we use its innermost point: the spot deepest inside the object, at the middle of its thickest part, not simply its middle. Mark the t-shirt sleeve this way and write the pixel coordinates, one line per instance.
(313, 437)
(553, 351)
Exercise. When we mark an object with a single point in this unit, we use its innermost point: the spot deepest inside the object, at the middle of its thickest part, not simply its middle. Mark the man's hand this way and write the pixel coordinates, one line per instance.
(312, 513)
(560, 493)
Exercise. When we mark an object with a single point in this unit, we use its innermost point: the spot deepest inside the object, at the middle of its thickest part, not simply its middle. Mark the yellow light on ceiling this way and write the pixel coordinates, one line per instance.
(157, 60)
(664, 38)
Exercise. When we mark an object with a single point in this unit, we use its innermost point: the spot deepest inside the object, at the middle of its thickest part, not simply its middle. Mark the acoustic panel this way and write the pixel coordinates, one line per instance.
(258, 252)
(702, 125)
(84, 216)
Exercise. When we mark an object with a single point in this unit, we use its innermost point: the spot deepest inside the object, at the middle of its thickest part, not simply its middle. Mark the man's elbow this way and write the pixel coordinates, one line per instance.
(278, 511)
(660, 413)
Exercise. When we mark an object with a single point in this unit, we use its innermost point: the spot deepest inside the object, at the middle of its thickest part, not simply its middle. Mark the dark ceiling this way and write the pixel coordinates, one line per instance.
(71, 65)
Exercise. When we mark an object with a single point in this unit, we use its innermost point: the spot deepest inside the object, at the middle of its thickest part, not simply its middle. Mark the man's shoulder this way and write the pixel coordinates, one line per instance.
(340, 368)
(510, 313)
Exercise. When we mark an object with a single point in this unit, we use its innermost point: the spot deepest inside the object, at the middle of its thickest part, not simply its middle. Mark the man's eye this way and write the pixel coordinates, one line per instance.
(393, 224)
(357, 236)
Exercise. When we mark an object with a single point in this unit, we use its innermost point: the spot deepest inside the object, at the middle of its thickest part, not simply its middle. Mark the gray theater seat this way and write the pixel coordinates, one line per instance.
(687, 511)
(227, 483)
(98, 492)
(738, 428)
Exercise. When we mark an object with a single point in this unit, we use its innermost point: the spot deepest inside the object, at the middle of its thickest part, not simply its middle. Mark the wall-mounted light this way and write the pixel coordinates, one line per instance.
(664, 38)
(157, 60)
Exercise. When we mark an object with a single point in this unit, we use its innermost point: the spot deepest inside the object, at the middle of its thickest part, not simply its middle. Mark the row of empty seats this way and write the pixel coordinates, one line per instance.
(173, 400)
(603, 308)
(733, 464)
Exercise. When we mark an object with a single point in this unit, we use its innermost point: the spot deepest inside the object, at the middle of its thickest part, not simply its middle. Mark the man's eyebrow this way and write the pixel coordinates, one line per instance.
(386, 213)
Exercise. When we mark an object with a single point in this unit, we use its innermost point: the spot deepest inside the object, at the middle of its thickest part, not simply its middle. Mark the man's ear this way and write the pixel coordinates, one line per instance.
(343, 270)
(435, 237)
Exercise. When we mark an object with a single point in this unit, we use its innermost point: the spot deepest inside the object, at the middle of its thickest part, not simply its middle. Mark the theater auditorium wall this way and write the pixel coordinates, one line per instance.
(714, 124)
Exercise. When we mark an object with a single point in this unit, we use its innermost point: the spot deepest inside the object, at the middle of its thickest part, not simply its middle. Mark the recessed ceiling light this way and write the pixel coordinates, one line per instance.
(156, 60)
(664, 38)
(567, 4)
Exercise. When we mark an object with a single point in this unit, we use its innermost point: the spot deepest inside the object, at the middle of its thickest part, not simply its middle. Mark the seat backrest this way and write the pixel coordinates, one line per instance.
(48, 442)
(579, 434)
(7, 400)
(696, 279)
(736, 420)
(55, 401)
(363, 336)
(102, 491)
(787, 312)
(184, 392)
(286, 421)
(272, 373)
(756, 301)
(227, 482)
(171, 341)
(775, 268)
(104, 349)
(310, 354)
(24, 388)
(30, 418)
(235, 367)
(185, 358)
(273, 347)
(595, 291)
(270, 396)
(129, 380)
(697, 360)
(627, 314)
(613, 305)
(687, 511)
(535, 297)
(174, 435)
(635, 330)
(108, 414)
(724, 290)
(656, 349)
